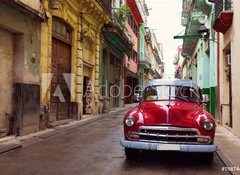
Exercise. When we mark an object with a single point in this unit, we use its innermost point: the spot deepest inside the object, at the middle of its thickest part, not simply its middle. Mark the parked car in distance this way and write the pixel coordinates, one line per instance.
(171, 116)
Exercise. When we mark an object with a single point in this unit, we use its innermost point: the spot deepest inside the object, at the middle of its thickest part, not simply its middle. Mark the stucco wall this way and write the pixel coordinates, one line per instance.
(231, 37)
(235, 48)
(20, 72)
(90, 27)
(6, 67)
(29, 29)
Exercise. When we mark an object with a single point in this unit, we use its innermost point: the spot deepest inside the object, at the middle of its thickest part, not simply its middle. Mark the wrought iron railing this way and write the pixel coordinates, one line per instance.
(227, 5)
(222, 5)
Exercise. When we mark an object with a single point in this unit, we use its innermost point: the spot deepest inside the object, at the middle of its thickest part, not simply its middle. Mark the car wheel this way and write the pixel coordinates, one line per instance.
(131, 154)
(207, 157)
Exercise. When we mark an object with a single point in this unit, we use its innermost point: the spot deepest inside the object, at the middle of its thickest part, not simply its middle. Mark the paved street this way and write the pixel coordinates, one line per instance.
(94, 149)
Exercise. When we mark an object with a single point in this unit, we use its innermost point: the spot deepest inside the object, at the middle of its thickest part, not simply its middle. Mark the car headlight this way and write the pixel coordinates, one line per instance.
(129, 121)
(208, 124)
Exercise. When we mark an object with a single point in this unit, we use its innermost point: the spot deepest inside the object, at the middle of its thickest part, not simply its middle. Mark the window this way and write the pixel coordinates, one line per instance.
(132, 24)
(134, 56)
(61, 30)
(135, 28)
(130, 20)
(179, 93)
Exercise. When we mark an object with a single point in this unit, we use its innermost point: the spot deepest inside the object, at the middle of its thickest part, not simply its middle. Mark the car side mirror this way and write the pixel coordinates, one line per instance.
(137, 97)
(205, 98)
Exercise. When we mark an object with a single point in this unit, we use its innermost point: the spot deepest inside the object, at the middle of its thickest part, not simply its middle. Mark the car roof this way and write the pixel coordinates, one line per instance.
(171, 82)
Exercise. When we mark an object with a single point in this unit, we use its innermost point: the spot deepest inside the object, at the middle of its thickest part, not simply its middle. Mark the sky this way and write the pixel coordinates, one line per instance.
(165, 20)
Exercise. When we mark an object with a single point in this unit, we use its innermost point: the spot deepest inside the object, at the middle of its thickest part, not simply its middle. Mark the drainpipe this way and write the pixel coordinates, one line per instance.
(219, 119)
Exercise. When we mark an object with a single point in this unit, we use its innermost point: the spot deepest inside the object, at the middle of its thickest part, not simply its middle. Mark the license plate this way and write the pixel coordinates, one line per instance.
(168, 147)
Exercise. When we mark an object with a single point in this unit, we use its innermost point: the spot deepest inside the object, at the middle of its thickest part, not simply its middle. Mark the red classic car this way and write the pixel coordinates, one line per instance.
(171, 116)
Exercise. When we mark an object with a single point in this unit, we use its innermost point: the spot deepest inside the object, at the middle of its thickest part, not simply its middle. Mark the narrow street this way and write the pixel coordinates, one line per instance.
(94, 149)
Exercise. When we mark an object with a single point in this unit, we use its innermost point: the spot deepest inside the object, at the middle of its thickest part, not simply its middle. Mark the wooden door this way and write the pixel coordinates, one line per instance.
(60, 93)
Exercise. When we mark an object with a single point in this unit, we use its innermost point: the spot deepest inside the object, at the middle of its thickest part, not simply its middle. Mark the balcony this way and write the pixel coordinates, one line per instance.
(223, 15)
(116, 34)
(145, 61)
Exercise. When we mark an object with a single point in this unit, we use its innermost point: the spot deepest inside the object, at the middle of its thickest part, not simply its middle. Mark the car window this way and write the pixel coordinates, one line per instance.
(171, 93)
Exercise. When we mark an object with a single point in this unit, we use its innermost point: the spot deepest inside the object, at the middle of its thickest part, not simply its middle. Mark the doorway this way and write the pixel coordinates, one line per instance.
(87, 95)
(60, 93)
(6, 77)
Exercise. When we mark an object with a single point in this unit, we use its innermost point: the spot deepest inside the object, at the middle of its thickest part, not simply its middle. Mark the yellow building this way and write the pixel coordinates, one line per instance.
(227, 24)
(69, 64)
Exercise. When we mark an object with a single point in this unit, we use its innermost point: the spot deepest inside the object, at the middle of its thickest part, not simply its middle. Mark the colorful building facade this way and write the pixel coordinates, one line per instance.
(115, 44)
(131, 60)
(70, 58)
(199, 49)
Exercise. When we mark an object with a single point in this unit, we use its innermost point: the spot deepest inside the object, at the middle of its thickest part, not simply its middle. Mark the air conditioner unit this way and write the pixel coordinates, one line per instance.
(228, 59)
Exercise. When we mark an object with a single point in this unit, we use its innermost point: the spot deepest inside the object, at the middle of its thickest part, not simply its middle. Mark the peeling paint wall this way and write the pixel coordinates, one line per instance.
(6, 66)
(19, 68)
(27, 28)
(86, 28)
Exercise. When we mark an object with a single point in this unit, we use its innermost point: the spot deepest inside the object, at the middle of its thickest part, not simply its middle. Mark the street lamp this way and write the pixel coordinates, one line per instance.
(204, 31)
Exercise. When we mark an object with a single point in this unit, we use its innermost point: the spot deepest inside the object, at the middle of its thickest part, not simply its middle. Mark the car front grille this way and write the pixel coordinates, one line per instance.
(167, 134)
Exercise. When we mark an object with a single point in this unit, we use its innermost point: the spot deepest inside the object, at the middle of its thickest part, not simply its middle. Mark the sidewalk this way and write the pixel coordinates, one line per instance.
(229, 148)
(10, 143)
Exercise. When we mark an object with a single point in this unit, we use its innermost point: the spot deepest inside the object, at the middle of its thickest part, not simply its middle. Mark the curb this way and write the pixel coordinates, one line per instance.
(10, 147)
(58, 130)
(61, 128)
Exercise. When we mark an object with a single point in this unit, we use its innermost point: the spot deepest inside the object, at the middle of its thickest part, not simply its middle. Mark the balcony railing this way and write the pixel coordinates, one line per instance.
(227, 5)
(223, 15)
(222, 5)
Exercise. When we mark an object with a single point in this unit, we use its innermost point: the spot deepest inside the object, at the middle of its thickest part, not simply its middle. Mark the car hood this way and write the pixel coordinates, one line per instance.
(175, 113)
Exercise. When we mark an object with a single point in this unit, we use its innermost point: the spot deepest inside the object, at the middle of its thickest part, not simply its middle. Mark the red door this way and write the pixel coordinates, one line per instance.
(60, 94)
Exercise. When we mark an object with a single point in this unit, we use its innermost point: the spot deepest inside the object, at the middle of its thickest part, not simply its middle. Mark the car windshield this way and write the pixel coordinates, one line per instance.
(182, 93)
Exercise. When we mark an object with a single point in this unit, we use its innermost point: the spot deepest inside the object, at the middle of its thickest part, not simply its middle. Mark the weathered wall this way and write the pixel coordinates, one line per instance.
(29, 29)
(85, 61)
(231, 38)
(235, 48)
(24, 69)
(6, 67)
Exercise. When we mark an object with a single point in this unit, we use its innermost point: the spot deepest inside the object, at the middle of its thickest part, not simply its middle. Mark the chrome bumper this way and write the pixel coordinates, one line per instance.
(154, 146)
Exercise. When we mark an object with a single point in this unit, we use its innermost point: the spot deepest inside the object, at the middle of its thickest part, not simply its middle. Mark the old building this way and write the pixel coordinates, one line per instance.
(155, 50)
(199, 49)
(20, 33)
(70, 58)
(132, 60)
(144, 59)
(226, 24)
(115, 44)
